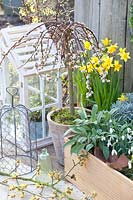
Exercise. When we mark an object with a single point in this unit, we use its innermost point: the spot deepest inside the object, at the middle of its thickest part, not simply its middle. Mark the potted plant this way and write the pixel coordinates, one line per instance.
(109, 144)
(70, 41)
(69, 38)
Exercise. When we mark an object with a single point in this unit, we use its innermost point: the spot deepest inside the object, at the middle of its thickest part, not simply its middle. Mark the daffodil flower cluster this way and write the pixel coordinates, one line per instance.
(102, 67)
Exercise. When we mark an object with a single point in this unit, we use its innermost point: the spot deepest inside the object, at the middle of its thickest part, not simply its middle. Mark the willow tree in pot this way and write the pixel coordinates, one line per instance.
(69, 38)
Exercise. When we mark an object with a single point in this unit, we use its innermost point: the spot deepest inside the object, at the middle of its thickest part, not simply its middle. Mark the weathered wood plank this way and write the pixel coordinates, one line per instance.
(113, 20)
(87, 11)
(128, 75)
(96, 176)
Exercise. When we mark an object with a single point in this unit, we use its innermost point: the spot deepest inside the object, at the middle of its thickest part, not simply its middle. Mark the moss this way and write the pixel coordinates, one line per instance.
(63, 116)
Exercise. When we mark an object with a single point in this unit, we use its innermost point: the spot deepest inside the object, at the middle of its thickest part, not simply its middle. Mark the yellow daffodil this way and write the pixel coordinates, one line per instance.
(121, 51)
(90, 68)
(95, 60)
(117, 65)
(83, 68)
(112, 48)
(106, 42)
(107, 63)
(125, 56)
(99, 70)
(87, 45)
(123, 98)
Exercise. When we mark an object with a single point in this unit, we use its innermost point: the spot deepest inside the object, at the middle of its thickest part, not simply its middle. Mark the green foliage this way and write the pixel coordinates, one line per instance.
(80, 82)
(105, 93)
(100, 130)
(124, 109)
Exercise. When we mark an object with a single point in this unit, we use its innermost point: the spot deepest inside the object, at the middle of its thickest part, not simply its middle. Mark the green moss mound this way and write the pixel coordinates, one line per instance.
(63, 116)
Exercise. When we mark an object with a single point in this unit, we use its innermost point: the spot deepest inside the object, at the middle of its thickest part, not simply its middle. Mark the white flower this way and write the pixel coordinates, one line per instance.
(128, 130)
(123, 137)
(88, 76)
(114, 152)
(110, 121)
(87, 82)
(107, 80)
(109, 143)
(89, 94)
(129, 137)
(129, 151)
(129, 164)
(103, 80)
(103, 138)
(132, 149)
(111, 130)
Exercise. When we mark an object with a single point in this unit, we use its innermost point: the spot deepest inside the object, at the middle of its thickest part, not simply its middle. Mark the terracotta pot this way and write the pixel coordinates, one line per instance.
(57, 131)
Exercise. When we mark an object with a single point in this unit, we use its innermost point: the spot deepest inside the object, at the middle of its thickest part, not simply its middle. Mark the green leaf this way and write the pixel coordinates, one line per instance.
(94, 112)
(68, 132)
(89, 147)
(82, 130)
(77, 148)
(105, 150)
(82, 113)
(70, 142)
(82, 139)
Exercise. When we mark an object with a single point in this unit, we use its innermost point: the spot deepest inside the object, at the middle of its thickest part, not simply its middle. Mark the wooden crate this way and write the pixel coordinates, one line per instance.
(97, 176)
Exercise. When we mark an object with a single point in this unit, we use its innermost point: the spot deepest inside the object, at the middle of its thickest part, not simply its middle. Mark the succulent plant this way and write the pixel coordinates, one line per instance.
(124, 109)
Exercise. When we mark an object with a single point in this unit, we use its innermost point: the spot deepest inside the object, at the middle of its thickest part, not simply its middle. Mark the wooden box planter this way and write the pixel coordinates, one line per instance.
(96, 176)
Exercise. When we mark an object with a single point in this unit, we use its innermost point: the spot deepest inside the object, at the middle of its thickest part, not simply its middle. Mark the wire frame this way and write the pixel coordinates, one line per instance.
(18, 152)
